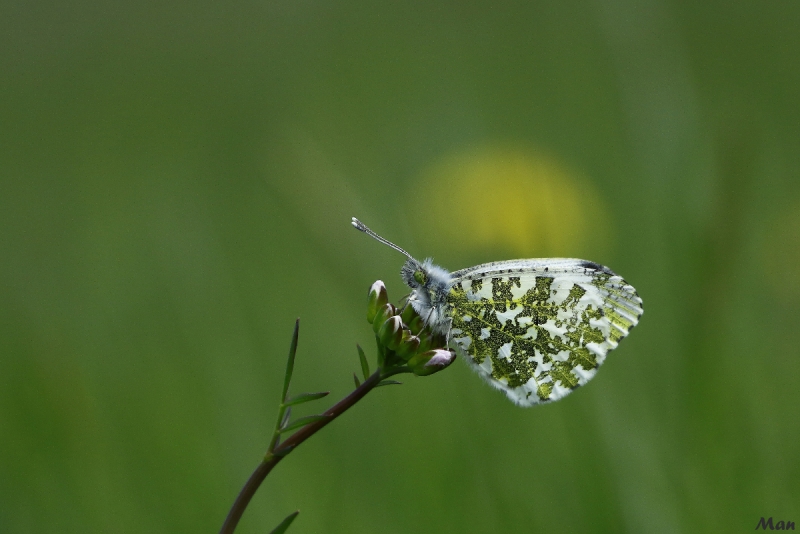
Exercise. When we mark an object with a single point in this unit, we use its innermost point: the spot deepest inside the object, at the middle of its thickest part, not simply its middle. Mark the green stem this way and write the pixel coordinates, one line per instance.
(276, 434)
(272, 457)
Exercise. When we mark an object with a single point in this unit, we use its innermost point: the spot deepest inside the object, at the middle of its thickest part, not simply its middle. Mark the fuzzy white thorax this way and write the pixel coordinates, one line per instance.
(428, 298)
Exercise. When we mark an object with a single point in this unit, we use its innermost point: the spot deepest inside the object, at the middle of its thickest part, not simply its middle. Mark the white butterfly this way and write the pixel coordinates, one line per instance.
(535, 329)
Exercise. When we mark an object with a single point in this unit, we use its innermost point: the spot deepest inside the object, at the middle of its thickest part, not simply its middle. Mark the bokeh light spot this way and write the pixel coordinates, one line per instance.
(780, 252)
(513, 201)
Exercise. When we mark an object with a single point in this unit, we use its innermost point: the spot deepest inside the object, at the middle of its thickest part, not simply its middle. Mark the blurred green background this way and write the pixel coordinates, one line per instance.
(176, 184)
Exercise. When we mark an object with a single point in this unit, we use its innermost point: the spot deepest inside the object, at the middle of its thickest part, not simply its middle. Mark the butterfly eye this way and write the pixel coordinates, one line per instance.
(419, 276)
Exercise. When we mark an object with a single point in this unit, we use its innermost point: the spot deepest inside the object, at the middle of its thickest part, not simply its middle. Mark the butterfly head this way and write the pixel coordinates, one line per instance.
(424, 276)
(429, 283)
(414, 274)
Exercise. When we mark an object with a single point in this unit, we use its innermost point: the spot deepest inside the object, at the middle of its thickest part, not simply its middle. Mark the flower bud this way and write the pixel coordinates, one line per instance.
(431, 362)
(383, 313)
(408, 346)
(416, 324)
(376, 300)
(426, 341)
(408, 314)
(391, 332)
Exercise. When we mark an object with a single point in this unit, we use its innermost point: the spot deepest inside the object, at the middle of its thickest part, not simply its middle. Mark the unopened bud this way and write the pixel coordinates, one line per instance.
(431, 361)
(426, 339)
(416, 324)
(391, 332)
(376, 299)
(383, 313)
(408, 346)
(408, 314)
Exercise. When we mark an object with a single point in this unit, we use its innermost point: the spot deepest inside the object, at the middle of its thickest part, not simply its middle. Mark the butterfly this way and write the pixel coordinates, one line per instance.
(535, 329)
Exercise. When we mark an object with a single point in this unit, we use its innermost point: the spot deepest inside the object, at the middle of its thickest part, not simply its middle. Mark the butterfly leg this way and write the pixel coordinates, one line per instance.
(406, 303)
(428, 318)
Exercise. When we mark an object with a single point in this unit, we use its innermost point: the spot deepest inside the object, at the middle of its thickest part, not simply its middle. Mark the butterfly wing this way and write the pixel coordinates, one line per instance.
(538, 329)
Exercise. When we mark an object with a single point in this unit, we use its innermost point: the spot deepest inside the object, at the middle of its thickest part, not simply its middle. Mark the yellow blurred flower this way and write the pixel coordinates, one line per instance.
(780, 252)
(511, 200)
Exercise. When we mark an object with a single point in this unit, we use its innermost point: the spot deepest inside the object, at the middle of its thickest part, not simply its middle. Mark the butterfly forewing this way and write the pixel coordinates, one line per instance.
(537, 329)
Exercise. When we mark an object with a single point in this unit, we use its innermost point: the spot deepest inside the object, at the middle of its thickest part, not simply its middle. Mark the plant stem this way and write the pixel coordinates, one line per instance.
(272, 457)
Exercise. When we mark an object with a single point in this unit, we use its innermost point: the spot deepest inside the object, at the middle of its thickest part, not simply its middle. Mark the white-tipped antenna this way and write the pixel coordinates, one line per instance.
(363, 227)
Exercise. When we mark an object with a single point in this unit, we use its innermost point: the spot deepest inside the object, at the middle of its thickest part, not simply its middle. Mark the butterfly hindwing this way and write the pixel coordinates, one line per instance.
(537, 329)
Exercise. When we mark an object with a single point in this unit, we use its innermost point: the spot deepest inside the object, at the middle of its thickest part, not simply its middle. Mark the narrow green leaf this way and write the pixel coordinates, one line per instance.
(355, 379)
(280, 529)
(283, 451)
(303, 421)
(290, 361)
(364, 364)
(305, 397)
(389, 383)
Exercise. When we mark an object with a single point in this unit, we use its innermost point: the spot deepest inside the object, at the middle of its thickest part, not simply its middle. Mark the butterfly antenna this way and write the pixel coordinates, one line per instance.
(363, 227)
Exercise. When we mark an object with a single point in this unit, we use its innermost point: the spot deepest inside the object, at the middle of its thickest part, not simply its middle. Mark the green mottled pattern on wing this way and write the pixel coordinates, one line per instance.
(537, 329)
